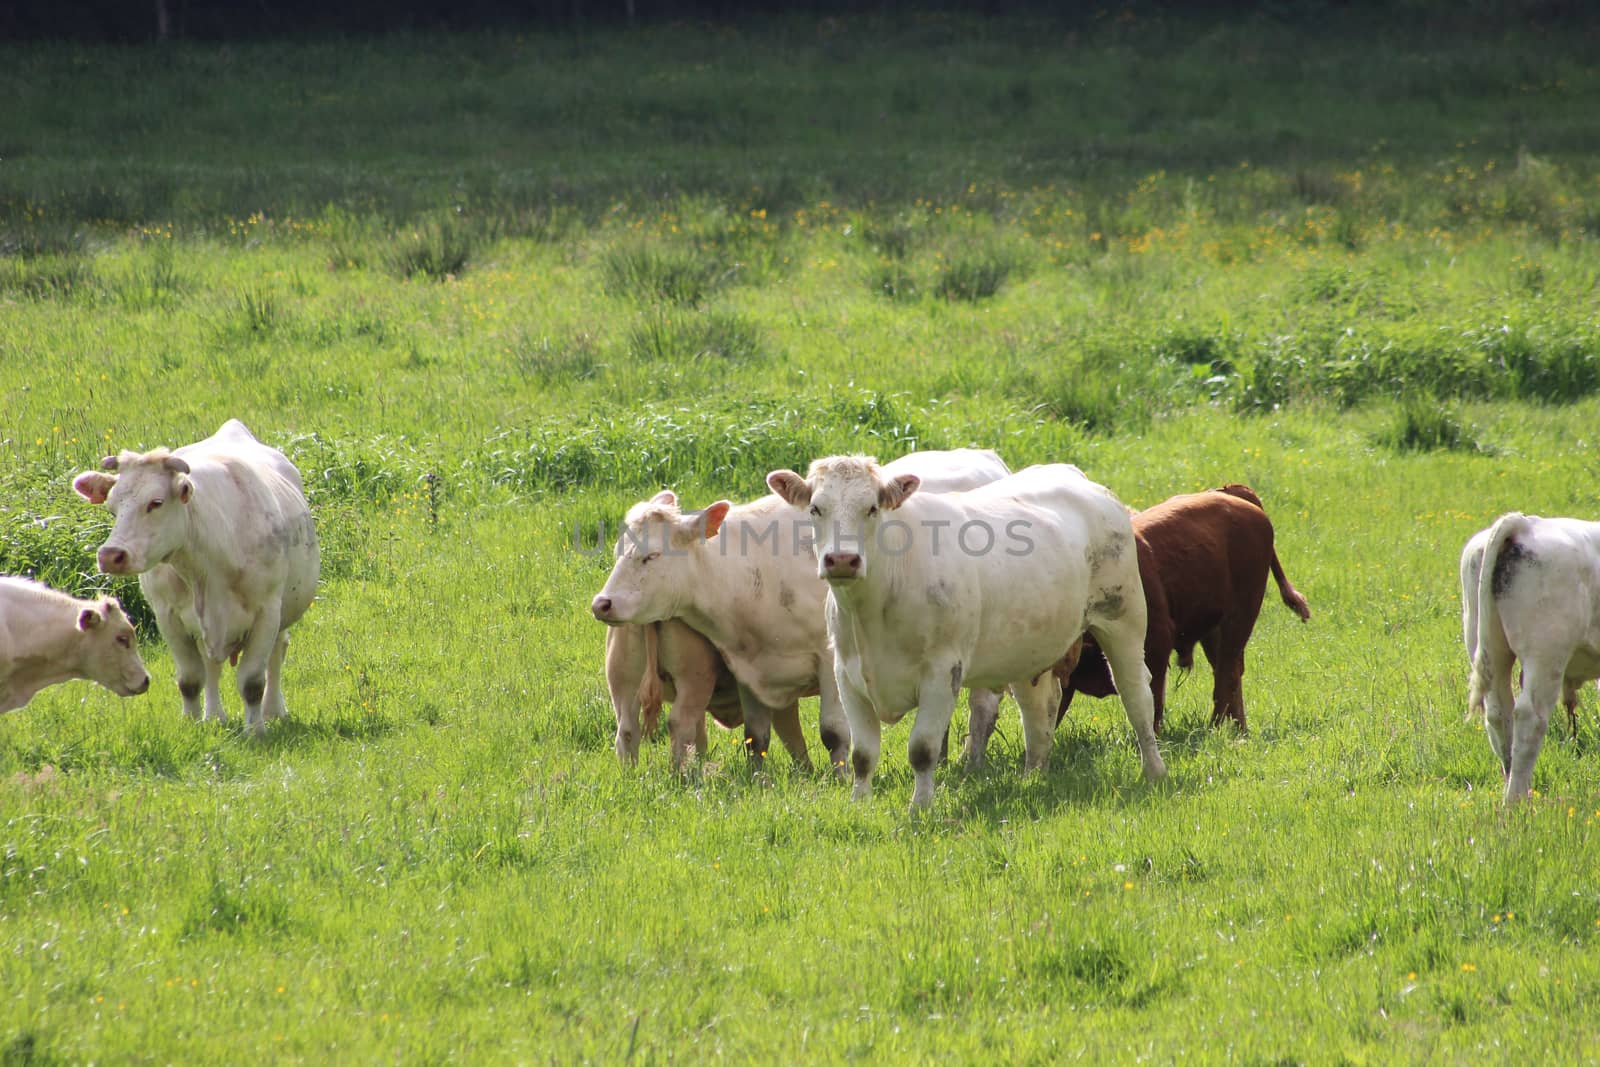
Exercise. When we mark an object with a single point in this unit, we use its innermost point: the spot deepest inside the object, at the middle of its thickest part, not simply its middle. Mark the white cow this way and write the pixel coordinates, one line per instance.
(745, 577)
(1530, 591)
(987, 588)
(223, 543)
(668, 661)
(48, 637)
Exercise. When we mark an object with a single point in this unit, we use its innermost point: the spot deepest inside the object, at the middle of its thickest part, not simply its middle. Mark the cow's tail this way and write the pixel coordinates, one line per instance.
(650, 685)
(1291, 596)
(1504, 529)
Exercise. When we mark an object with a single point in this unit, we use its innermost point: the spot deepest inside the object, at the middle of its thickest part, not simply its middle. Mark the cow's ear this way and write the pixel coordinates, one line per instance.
(89, 619)
(185, 488)
(713, 517)
(896, 490)
(666, 498)
(94, 486)
(789, 485)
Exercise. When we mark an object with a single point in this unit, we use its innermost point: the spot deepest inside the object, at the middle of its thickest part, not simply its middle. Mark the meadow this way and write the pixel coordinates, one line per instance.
(488, 290)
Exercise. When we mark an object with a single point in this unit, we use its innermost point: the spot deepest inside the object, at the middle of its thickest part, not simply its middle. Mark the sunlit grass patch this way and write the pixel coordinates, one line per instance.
(650, 271)
(49, 277)
(664, 335)
(550, 360)
(977, 271)
(1423, 423)
(437, 249)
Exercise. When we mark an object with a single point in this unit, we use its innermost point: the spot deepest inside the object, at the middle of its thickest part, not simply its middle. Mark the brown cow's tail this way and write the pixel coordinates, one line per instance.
(1291, 596)
(1505, 527)
(650, 685)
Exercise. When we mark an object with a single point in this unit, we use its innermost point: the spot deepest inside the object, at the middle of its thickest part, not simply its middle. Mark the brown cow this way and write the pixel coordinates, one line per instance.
(1203, 559)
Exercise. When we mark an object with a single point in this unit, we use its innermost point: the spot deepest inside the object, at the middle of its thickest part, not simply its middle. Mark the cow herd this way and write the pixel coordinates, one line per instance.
(882, 590)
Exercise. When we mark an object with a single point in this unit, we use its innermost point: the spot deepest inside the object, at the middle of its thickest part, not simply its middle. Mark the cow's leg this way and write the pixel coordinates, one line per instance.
(626, 664)
(252, 668)
(983, 711)
(1067, 693)
(1497, 702)
(1530, 718)
(833, 725)
(1569, 700)
(686, 718)
(191, 666)
(213, 683)
(1158, 690)
(865, 740)
(1122, 641)
(1039, 700)
(1221, 678)
(757, 726)
(786, 721)
(273, 704)
(936, 703)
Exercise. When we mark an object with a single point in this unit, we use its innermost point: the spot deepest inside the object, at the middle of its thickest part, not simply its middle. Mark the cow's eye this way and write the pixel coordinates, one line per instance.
(153, 505)
(651, 556)
(125, 641)
(873, 510)
(816, 511)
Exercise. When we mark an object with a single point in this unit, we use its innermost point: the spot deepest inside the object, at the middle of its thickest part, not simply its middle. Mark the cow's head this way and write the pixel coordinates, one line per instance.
(149, 499)
(846, 497)
(656, 560)
(108, 649)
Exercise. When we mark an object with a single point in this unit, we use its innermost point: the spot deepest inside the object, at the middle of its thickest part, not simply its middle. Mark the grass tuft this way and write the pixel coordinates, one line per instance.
(1421, 423)
(675, 274)
(438, 249)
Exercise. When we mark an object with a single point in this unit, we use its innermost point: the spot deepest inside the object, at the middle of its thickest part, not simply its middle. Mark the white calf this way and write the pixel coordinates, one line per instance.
(48, 637)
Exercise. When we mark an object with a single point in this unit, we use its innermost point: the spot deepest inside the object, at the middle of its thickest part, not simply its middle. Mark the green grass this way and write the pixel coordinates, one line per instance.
(1350, 263)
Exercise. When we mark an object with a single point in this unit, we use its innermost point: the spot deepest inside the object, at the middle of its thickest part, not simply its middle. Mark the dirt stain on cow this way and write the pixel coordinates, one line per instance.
(785, 596)
(1109, 605)
(1109, 550)
(756, 582)
(1513, 557)
(939, 594)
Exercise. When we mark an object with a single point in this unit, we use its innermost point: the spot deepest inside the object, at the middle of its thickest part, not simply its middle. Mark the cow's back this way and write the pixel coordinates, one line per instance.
(250, 504)
(1213, 551)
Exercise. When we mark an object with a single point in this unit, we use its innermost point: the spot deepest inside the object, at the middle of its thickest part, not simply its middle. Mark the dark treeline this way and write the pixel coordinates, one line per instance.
(144, 20)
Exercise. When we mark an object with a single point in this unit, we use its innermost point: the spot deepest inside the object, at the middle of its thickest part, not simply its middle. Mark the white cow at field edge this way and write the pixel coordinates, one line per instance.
(48, 637)
(1530, 591)
(222, 540)
(745, 577)
(986, 588)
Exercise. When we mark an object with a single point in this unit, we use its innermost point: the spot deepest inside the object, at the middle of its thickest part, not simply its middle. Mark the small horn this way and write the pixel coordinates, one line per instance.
(109, 463)
(175, 464)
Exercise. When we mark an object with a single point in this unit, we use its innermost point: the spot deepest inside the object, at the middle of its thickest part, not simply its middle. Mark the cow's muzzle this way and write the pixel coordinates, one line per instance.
(841, 566)
(112, 560)
(605, 610)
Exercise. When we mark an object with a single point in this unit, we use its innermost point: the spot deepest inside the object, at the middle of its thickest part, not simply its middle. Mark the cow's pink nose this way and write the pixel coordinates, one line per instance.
(601, 608)
(841, 564)
(113, 560)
